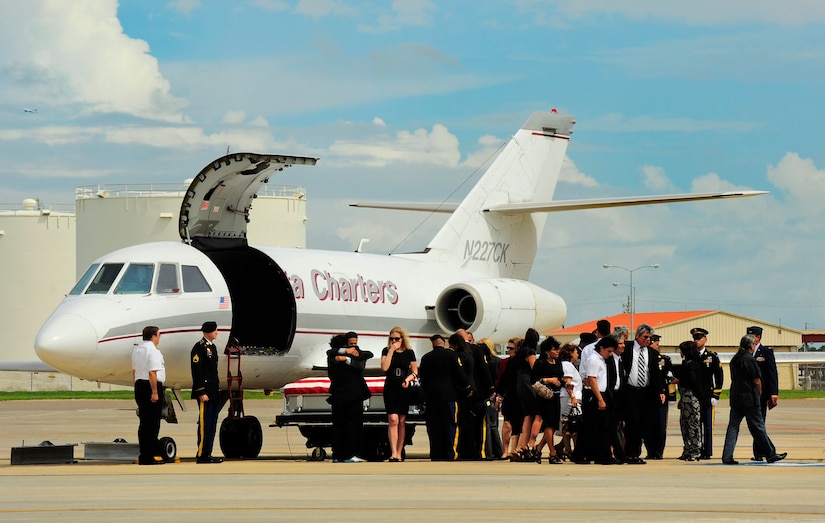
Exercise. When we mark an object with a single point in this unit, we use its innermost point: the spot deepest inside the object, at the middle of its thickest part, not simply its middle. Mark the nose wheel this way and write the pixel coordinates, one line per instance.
(168, 449)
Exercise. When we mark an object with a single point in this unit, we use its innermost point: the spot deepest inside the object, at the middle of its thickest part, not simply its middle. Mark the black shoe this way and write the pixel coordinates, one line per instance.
(756, 458)
(730, 462)
(581, 461)
(209, 459)
(705, 456)
(777, 457)
(682, 457)
(635, 461)
(611, 461)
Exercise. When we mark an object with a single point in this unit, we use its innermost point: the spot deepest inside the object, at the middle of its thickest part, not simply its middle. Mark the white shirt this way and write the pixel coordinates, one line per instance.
(570, 370)
(596, 367)
(588, 352)
(146, 357)
(633, 378)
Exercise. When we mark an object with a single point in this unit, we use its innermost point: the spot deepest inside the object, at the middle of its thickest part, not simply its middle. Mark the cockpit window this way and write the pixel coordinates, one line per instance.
(193, 280)
(137, 279)
(84, 280)
(167, 279)
(103, 280)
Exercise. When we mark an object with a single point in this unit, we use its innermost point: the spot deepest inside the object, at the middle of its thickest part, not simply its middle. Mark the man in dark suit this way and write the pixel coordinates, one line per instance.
(643, 395)
(347, 392)
(745, 391)
(770, 379)
(444, 383)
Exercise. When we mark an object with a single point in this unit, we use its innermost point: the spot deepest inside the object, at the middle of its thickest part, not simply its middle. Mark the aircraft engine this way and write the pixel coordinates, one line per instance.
(498, 308)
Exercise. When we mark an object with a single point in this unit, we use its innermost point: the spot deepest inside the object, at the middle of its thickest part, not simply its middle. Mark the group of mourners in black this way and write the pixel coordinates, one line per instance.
(606, 400)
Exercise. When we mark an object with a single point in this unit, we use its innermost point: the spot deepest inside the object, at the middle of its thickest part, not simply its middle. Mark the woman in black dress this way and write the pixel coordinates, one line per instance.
(548, 371)
(400, 369)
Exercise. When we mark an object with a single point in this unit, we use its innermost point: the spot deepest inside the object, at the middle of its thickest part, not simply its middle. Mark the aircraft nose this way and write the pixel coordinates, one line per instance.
(67, 342)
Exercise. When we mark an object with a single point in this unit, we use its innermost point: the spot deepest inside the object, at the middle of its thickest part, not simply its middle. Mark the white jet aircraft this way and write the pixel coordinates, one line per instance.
(283, 304)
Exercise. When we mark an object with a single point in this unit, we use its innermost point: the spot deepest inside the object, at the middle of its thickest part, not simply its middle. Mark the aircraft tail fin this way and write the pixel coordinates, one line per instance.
(480, 239)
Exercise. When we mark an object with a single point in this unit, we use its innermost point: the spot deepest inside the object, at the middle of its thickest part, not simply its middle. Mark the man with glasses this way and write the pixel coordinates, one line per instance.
(643, 395)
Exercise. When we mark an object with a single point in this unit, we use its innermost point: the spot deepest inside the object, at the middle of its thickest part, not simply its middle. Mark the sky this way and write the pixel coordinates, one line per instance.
(404, 100)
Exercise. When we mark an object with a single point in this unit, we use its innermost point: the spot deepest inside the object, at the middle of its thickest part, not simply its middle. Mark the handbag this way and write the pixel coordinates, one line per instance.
(573, 421)
(543, 391)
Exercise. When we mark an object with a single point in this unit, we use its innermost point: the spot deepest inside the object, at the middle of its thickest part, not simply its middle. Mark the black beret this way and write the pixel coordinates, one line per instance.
(209, 326)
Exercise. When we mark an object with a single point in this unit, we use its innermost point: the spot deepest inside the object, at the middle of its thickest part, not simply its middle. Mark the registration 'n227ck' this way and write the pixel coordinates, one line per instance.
(478, 250)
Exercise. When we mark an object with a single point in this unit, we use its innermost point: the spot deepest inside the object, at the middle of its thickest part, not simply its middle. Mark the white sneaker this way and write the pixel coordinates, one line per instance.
(356, 459)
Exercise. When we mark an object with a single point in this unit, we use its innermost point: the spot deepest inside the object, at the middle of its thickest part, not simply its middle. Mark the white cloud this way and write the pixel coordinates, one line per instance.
(75, 55)
(571, 174)
(655, 178)
(270, 5)
(184, 6)
(379, 122)
(436, 147)
(404, 13)
(801, 179)
(234, 117)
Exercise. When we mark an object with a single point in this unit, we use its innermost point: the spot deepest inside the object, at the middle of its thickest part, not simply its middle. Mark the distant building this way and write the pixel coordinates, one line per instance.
(725, 328)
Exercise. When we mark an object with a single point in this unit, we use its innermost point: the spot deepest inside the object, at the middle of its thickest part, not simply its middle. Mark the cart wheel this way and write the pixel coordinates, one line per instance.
(168, 449)
(318, 454)
(241, 438)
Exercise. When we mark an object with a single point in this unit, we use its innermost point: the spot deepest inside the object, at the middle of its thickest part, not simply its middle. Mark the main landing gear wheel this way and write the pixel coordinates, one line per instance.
(241, 438)
(318, 454)
(168, 449)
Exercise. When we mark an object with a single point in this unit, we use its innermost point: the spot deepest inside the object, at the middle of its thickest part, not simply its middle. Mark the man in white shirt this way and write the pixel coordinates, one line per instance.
(149, 373)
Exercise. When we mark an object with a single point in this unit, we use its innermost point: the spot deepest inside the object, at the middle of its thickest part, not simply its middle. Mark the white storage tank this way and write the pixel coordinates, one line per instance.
(113, 216)
(37, 269)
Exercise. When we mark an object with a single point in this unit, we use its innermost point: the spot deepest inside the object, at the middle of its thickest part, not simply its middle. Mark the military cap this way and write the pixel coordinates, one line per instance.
(756, 331)
(698, 333)
(209, 326)
(437, 337)
(655, 337)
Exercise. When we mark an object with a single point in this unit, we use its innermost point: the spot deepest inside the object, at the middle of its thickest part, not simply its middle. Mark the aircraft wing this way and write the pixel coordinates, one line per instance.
(598, 203)
(781, 357)
(562, 205)
(401, 206)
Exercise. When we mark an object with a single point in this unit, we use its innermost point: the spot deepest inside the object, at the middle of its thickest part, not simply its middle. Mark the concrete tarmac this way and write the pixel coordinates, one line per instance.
(283, 485)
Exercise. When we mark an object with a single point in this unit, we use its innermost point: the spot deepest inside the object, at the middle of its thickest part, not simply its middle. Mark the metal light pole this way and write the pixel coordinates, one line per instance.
(632, 289)
(629, 294)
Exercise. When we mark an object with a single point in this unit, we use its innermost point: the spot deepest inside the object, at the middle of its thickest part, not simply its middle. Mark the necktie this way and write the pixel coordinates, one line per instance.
(642, 371)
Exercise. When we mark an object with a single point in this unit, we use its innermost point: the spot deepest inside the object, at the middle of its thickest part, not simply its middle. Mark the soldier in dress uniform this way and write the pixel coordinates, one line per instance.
(205, 389)
(666, 370)
(713, 378)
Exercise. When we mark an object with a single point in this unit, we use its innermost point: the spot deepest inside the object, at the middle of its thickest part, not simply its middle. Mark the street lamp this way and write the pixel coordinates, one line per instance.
(629, 294)
(632, 289)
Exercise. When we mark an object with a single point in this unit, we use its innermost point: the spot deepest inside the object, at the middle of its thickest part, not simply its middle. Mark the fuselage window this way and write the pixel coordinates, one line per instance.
(137, 279)
(103, 280)
(167, 279)
(193, 280)
(81, 283)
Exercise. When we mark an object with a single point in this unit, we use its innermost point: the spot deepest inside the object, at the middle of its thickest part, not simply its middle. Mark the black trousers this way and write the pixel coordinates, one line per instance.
(149, 413)
(347, 425)
(442, 429)
(208, 413)
(641, 422)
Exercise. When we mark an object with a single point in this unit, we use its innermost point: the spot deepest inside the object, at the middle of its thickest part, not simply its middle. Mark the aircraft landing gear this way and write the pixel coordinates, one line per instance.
(168, 449)
(241, 437)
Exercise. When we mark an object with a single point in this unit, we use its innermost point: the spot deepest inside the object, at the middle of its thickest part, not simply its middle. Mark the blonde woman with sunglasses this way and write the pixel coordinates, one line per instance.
(401, 370)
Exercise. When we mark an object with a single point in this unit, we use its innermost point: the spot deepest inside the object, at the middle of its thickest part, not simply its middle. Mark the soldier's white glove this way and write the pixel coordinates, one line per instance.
(714, 401)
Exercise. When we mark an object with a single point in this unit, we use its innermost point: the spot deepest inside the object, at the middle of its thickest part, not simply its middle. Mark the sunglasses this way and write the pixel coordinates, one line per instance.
(394, 338)
(510, 348)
